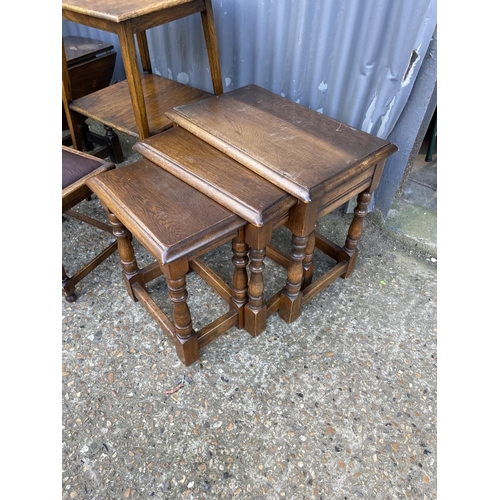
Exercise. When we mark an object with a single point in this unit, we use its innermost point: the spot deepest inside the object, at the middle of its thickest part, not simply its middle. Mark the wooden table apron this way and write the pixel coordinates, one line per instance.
(125, 21)
(319, 160)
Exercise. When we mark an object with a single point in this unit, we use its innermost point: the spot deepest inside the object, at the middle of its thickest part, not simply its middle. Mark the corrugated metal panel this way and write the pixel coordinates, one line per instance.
(355, 60)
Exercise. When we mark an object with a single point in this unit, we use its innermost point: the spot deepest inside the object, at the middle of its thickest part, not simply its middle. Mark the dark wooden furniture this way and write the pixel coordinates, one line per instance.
(176, 224)
(77, 168)
(320, 161)
(137, 106)
(238, 189)
(90, 66)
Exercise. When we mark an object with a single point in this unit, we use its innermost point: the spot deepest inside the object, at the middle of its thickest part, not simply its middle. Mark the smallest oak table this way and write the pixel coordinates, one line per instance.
(320, 161)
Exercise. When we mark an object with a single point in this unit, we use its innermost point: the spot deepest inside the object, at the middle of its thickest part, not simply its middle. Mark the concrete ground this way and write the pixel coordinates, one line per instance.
(341, 404)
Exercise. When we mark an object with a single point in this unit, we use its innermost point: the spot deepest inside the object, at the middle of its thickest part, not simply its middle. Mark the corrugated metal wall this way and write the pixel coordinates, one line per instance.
(355, 60)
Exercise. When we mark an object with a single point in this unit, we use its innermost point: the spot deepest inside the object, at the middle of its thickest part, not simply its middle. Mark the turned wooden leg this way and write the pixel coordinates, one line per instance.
(116, 153)
(68, 287)
(307, 263)
(349, 252)
(240, 276)
(257, 239)
(187, 345)
(88, 145)
(126, 252)
(255, 311)
(291, 297)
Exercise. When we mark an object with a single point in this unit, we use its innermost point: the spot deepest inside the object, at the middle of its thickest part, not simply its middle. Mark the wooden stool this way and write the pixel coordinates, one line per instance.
(176, 224)
(263, 205)
(77, 168)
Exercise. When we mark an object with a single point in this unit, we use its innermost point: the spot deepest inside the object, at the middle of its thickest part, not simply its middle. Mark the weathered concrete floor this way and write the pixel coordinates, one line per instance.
(341, 404)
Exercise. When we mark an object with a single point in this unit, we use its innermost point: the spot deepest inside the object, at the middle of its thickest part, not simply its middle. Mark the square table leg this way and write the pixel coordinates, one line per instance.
(131, 65)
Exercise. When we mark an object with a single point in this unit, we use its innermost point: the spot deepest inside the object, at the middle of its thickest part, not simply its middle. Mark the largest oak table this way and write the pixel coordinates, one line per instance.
(320, 161)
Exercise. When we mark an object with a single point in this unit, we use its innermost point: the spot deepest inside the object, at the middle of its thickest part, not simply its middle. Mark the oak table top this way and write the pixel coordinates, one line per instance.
(298, 149)
(217, 175)
(146, 197)
(111, 11)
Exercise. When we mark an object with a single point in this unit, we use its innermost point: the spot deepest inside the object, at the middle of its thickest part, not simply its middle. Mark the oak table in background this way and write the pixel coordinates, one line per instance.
(137, 105)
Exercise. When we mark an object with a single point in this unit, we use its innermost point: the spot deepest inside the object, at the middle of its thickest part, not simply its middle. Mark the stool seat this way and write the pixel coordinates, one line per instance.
(176, 224)
(77, 168)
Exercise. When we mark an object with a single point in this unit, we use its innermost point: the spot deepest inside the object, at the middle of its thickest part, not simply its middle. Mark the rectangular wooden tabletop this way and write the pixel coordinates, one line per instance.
(298, 149)
(217, 175)
(119, 11)
(171, 218)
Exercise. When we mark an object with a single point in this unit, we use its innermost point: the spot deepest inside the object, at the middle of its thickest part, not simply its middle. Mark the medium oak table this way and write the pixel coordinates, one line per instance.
(320, 161)
(137, 105)
(263, 205)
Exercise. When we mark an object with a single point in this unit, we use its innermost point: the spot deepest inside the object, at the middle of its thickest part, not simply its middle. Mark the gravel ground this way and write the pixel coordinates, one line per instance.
(341, 404)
